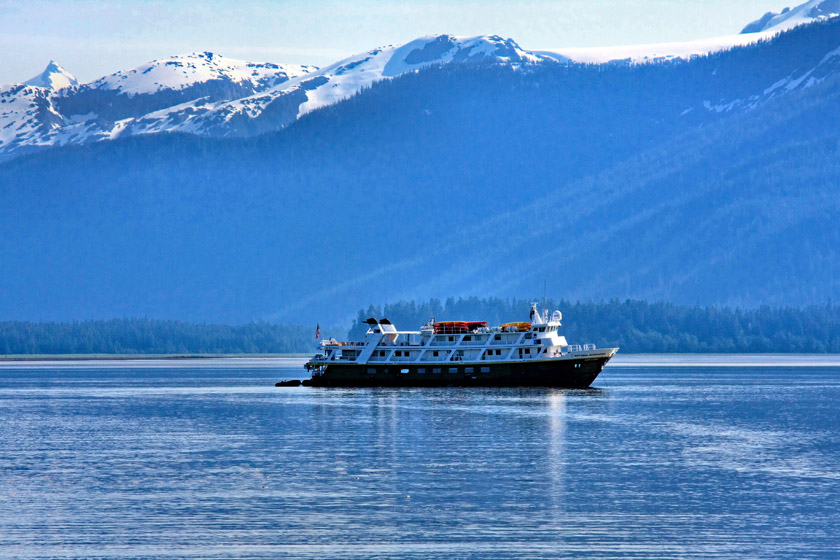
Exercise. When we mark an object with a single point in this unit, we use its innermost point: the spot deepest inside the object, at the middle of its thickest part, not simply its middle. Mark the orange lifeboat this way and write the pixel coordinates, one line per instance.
(521, 326)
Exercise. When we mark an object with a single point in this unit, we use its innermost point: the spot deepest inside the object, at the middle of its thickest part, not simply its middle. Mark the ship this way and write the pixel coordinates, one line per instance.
(459, 353)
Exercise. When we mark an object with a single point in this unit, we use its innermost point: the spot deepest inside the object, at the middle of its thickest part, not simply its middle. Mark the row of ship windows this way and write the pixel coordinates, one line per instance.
(436, 353)
(437, 370)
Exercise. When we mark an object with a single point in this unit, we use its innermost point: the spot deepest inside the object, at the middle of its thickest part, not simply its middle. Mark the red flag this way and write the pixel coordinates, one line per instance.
(317, 330)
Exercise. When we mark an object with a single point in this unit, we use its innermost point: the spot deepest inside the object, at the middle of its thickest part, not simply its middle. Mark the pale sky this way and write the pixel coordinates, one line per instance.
(94, 38)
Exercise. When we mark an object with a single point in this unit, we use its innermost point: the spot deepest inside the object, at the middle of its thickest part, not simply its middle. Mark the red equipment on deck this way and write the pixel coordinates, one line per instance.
(458, 327)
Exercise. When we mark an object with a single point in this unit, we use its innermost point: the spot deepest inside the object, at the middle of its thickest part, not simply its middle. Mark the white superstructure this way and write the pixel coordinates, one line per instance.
(459, 342)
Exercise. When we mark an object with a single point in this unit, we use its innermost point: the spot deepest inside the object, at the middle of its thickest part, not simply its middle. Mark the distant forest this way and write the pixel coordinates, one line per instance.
(638, 326)
(149, 336)
(634, 326)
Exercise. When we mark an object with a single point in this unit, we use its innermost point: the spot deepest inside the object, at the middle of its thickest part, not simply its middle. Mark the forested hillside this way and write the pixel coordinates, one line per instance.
(690, 182)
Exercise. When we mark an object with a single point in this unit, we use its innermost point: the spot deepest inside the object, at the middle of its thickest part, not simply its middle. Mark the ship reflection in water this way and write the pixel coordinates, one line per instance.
(175, 461)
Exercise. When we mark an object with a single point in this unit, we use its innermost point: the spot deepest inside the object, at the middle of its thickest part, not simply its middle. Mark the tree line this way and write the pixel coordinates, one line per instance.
(152, 336)
(632, 325)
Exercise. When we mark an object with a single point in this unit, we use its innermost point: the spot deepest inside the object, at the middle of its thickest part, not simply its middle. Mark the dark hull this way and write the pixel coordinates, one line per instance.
(549, 373)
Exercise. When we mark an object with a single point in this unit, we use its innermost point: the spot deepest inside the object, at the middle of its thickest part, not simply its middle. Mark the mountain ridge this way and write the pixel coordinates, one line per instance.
(211, 95)
(207, 94)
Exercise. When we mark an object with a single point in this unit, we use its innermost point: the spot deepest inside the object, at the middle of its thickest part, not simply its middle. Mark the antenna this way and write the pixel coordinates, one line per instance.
(544, 286)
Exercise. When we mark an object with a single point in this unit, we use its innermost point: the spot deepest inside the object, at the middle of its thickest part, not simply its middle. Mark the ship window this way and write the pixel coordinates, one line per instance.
(453, 370)
(468, 370)
(538, 342)
(451, 339)
(467, 338)
(435, 354)
(436, 370)
(498, 352)
(497, 337)
(485, 370)
(421, 370)
(371, 370)
(397, 353)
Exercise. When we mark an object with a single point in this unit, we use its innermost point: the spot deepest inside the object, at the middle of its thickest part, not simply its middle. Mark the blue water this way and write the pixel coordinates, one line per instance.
(669, 458)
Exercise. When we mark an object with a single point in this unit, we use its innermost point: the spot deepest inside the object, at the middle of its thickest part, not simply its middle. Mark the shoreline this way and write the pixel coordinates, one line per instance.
(620, 359)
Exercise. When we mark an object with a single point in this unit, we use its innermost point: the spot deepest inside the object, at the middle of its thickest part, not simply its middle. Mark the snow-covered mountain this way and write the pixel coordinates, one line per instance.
(208, 94)
(211, 95)
(53, 77)
(282, 104)
(789, 18)
(680, 182)
(51, 112)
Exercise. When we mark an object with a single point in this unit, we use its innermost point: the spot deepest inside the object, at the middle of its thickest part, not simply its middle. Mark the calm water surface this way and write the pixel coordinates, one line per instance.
(666, 458)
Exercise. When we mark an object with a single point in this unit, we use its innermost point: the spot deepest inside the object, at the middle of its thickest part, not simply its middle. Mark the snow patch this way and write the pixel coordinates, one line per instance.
(182, 71)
